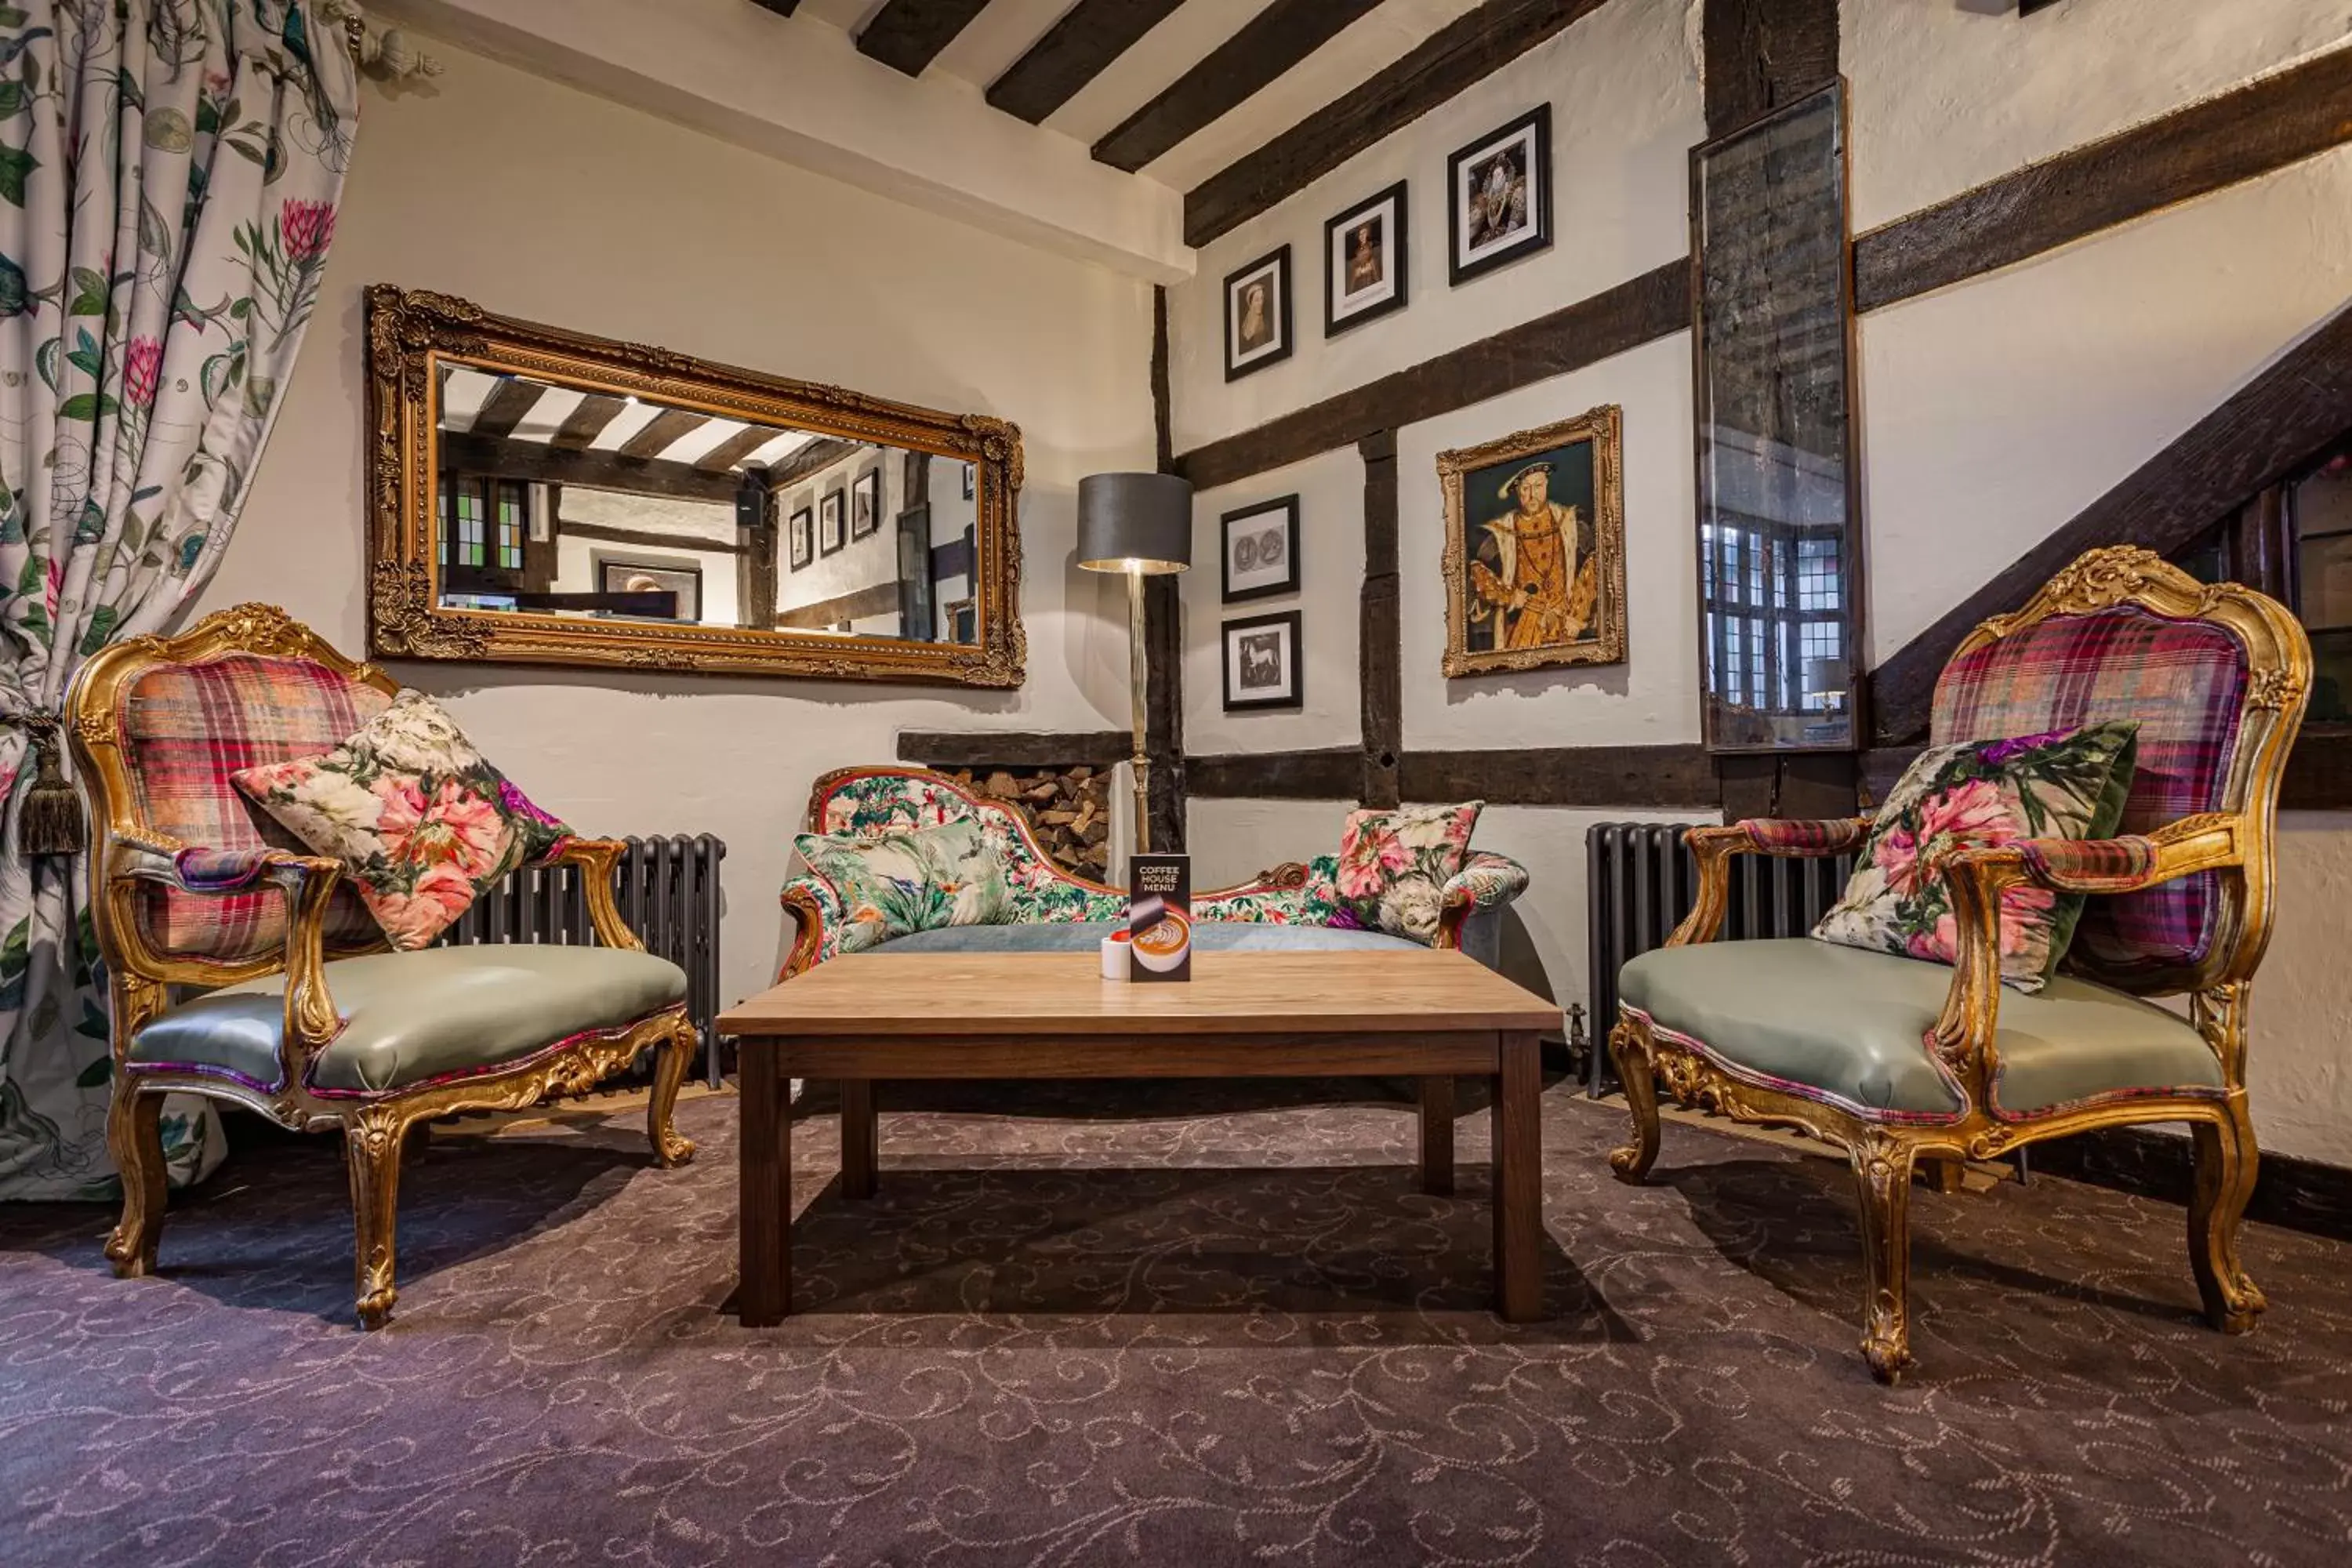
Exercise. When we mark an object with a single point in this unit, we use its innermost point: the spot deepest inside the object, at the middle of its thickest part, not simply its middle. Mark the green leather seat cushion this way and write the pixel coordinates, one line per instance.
(1851, 1024)
(412, 1016)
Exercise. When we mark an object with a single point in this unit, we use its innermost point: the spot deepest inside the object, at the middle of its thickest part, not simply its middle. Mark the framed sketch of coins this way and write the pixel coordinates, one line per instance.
(1535, 548)
(1259, 550)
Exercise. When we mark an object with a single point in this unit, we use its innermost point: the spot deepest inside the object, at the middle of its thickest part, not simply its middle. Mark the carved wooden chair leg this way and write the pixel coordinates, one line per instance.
(134, 1135)
(2227, 1163)
(1882, 1169)
(672, 1059)
(1631, 1049)
(373, 1139)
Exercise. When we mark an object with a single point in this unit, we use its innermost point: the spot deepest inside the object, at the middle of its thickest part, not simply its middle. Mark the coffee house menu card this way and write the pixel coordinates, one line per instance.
(1159, 917)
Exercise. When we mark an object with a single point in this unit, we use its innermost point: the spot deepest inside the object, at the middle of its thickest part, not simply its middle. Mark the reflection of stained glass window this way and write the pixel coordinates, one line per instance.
(443, 531)
(512, 505)
(470, 542)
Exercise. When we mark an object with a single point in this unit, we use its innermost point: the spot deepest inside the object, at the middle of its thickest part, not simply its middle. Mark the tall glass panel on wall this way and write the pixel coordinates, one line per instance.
(1778, 533)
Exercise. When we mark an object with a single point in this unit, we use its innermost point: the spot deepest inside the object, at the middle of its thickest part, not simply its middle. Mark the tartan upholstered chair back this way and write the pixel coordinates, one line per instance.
(2209, 673)
(168, 723)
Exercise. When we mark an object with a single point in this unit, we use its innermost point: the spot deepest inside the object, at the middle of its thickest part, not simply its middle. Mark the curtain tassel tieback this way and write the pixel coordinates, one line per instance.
(51, 822)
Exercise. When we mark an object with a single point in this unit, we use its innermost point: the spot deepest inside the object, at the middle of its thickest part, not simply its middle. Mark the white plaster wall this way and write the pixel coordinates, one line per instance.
(1330, 490)
(1947, 95)
(2299, 1056)
(1994, 411)
(687, 520)
(1232, 841)
(483, 187)
(1650, 699)
(1625, 105)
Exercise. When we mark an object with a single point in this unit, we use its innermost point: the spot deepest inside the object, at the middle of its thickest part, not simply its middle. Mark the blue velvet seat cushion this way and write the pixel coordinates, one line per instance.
(1849, 1024)
(1208, 936)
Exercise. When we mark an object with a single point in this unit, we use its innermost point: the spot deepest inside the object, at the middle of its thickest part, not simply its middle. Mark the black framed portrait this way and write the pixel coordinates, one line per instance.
(968, 473)
(1258, 550)
(1499, 196)
(1257, 315)
(802, 530)
(1261, 659)
(1365, 262)
(831, 514)
(866, 503)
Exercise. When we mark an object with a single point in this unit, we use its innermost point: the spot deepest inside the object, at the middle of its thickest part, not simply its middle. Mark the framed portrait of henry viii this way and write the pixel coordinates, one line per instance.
(1535, 548)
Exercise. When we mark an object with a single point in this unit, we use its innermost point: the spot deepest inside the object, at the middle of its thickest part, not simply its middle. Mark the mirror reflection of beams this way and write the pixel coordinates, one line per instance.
(556, 500)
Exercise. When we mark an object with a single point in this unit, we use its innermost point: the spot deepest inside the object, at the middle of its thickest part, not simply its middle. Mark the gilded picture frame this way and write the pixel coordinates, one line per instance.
(1521, 592)
(413, 334)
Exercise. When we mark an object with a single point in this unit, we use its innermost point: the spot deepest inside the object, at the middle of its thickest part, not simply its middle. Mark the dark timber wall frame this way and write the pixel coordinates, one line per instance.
(1163, 621)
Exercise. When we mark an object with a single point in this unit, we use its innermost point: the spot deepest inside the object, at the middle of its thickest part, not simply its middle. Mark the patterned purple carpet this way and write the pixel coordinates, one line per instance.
(1171, 1332)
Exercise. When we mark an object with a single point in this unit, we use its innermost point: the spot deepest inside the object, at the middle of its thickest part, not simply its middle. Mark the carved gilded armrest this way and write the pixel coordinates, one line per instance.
(824, 929)
(1713, 848)
(597, 860)
(308, 883)
(1966, 1030)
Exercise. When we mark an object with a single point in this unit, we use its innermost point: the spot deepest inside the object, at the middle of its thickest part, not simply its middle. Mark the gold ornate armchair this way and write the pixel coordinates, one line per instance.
(305, 1018)
(1898, 1061)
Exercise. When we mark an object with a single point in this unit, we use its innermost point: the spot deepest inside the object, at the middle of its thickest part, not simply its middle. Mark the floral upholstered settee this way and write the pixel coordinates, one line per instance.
(1050, 910)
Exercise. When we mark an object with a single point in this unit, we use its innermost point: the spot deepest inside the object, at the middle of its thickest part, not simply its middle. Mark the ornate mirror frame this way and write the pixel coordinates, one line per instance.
(410, 332)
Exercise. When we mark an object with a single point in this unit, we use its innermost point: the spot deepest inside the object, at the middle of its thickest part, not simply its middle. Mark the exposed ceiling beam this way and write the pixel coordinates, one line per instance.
(815, 457)
(661, 432)
(803, 95)
(1073, 52)
(531, 460)
(735, 449)
(1274, 41)
(587, 421)
(1456, 57)
(908, 35)
(505, 407)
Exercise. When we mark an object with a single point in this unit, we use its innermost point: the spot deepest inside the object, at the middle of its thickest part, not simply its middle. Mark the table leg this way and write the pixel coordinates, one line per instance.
(1518, 1178)
(1437, 1135)
(764, 1243)
(860, 1137)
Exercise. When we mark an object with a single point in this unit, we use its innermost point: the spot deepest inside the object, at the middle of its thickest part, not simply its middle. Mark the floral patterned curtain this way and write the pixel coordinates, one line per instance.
(169, 175)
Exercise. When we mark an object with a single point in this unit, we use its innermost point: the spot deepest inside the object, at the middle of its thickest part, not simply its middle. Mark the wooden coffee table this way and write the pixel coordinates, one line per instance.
(1430, 1016)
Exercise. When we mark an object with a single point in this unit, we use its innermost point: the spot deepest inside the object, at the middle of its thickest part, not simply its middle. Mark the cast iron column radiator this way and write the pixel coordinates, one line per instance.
(1639, 882)
(668, 893)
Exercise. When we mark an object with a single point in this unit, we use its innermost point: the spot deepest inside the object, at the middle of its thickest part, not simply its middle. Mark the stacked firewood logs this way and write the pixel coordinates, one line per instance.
(1069, 809)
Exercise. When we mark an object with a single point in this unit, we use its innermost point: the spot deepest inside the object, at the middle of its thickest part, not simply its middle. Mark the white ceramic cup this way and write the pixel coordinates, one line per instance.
(1116, 956)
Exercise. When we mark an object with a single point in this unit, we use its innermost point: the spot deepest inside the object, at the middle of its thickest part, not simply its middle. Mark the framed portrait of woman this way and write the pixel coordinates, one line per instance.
(1365, 261)
(1535, 548)
(1257, 315)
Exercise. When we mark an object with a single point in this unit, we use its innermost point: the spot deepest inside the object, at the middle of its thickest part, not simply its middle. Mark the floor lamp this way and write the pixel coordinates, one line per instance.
(1142, 525)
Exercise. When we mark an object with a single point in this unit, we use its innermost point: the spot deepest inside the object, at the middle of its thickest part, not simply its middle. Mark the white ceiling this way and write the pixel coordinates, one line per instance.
(796, 88)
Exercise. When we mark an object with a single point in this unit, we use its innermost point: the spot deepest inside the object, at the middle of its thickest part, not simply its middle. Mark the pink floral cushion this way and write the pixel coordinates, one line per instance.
(420, 819)
(2068, 783)
(1393, 867)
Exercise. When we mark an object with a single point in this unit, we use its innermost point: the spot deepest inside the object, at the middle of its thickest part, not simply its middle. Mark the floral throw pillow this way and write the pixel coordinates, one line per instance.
(2067, 783)
(910, 879)
(1393, 867)
(420, 819)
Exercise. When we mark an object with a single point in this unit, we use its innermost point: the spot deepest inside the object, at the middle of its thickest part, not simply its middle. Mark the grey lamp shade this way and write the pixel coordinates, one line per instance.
(1134, 523)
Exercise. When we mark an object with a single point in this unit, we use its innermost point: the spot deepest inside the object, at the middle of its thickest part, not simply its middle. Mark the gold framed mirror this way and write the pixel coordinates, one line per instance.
(538, 495)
